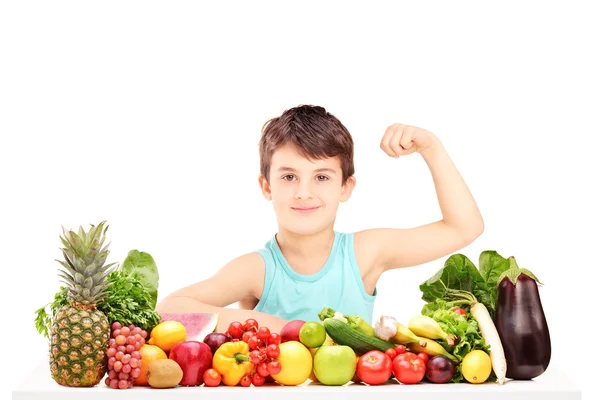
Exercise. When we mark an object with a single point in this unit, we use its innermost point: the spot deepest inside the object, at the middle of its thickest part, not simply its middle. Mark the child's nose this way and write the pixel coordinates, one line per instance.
(304, 191)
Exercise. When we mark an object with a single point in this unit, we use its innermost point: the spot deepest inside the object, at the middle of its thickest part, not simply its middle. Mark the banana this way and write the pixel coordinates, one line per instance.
(404, 335)
(431, 348)
(427, 327)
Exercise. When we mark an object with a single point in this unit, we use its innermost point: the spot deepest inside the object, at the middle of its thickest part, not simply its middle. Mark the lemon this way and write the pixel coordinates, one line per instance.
(296, 363)
(312, 334)
(167, 334)
(476, 366)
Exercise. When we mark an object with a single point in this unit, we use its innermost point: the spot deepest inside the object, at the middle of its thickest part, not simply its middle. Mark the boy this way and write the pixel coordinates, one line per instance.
(306, 170)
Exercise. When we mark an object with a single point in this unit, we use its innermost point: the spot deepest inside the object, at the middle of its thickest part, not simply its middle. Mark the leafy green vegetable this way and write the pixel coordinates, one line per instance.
(143, 264)
(465, 327)
(43, 316)
(492, 265)
(459, 273)
(127, 300)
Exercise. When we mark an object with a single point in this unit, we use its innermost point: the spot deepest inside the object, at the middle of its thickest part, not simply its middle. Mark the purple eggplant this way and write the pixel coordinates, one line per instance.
(521, 324)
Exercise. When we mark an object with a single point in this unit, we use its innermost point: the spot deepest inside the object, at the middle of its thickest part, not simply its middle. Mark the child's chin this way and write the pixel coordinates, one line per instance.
(305, 229)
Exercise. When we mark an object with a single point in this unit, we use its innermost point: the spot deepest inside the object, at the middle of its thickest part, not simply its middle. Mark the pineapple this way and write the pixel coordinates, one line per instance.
(80, 332)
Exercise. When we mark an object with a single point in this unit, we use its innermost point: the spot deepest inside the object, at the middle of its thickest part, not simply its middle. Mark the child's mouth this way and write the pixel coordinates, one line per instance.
(305, 210)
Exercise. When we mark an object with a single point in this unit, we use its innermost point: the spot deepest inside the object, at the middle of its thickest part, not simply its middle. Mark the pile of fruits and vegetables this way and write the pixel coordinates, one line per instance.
(478, 325)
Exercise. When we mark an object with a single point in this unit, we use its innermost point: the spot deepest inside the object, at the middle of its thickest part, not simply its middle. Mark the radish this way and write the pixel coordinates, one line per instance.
(487, 327)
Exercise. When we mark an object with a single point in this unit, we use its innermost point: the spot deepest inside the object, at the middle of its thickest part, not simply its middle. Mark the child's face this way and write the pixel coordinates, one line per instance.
(305, 193)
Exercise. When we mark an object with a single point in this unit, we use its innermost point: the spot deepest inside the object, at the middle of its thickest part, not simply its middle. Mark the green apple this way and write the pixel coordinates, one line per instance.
(334, 365)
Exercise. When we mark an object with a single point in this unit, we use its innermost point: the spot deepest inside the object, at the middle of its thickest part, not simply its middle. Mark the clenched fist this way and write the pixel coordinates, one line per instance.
(400, 140)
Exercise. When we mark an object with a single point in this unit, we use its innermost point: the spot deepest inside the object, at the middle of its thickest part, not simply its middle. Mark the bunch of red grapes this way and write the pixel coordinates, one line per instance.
(264, 350)
(124, 357)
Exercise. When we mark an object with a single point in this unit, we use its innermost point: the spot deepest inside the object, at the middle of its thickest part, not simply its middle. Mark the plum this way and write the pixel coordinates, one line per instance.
(440, 369)
(215, 340)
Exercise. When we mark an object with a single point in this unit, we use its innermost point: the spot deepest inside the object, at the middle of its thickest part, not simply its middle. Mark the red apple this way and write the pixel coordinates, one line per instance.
(194, 358)
(291, 331)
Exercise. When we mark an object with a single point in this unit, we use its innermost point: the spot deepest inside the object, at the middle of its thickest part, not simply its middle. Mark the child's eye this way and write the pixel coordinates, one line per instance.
(322, 178)
(288, 177)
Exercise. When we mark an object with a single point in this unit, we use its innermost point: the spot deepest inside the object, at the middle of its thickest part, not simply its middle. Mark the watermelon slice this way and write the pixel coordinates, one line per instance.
(197, 325)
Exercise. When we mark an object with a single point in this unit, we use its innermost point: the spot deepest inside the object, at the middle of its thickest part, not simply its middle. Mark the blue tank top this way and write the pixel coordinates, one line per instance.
(338, 284)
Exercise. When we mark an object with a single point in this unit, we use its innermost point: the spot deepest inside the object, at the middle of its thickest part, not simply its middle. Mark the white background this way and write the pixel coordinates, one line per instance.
(148, 116)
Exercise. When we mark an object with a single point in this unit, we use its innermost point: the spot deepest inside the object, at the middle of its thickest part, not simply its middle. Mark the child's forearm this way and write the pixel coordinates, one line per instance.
(458, 206)
(178, 304)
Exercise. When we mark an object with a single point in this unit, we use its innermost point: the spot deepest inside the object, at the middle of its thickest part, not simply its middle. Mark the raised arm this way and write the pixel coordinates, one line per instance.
(461, 221)
(237, 280)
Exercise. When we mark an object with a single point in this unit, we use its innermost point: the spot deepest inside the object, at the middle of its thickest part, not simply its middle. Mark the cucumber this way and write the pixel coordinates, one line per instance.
(342, 334)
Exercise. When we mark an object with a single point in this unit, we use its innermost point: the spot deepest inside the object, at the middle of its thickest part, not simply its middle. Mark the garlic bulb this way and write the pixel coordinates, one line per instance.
(386, 327)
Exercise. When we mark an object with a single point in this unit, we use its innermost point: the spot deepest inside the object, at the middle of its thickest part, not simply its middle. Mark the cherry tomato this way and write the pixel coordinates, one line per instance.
(212, 377)
(459, 311)
(423, 356)
(263, 334)
(235, 330)
(272, 351)
(391, 353)
(245, 381)
(374, 367)
(262, 369)
(274, 338)
(251, 325)
(255, 357)
(247, 335)
(258, 380)
(274, 367)
(408, 368)
(253, 343)
(400, 349)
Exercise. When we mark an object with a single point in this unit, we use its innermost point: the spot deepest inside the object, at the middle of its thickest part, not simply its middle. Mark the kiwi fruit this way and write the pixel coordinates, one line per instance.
(164, 373)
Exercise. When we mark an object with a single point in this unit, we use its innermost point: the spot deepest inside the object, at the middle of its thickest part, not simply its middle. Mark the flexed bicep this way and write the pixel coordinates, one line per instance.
(398, 248)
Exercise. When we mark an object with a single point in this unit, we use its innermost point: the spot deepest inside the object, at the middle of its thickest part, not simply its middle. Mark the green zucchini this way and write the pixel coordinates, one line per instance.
(344, 335)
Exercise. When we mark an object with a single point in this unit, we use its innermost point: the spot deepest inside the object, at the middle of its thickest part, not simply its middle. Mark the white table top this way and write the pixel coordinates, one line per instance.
(552, 385)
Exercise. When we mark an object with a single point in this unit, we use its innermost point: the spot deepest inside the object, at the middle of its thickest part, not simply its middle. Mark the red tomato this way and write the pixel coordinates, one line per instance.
(274, 338)
(246, 381)
(400, 349)
(408, 368)
(263, 334)
(236, 329)
(212, 377)
(423, 356)
(247, 335)
(250, 325)
(374, 367)
(391, 353)
(459, 311)
(258, 380)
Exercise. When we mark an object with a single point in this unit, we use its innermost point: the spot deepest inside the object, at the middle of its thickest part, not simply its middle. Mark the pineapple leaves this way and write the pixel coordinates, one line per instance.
(88, 283)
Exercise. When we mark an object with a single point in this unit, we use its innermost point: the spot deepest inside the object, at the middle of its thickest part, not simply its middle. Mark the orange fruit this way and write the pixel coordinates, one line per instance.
(149, 353)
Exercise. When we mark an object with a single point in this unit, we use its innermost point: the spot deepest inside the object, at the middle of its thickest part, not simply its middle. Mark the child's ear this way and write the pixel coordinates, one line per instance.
(347, 189)
(265, 187)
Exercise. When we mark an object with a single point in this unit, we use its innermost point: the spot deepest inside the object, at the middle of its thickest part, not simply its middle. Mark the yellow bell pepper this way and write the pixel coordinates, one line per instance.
(232, 361)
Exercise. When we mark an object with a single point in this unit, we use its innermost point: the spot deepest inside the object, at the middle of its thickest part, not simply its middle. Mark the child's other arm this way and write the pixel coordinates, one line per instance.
(461, 221)
(237, 280)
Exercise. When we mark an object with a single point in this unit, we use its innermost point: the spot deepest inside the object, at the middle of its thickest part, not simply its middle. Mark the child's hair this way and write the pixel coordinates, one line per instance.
(314, 132)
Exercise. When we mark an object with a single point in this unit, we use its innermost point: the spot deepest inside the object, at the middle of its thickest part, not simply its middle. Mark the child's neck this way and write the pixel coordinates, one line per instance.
(306, 254)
